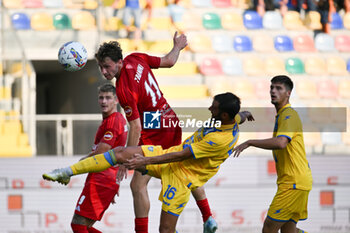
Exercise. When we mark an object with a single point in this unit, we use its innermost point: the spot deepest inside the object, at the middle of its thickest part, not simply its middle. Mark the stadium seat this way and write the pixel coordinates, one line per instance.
(313, 20)
(336, 66)
(221, 3)
(283, 43)
(315, 66)
(179, 69)
(253, 66)
(41, 21)
(210, 66)
(90, 4)
(32, 3)
(292, 21)
(189, 22)
(342, 43)
(295, 66)
(158, 3)
(83, 20)
(346, 137)
(275, 66)
(327, 89)
(232, 21)
(252, 20)
(113, 24)
(346, 20)
(20, 21)
(126, 44)
(232, 66)
(272, 20)
(187, 92)
(201, 3)
(16, 4)
(160, 23)
(61, 21)
(324, 42)
(158, 46)
(337, 22)
(53, 3)
(211, 21)
(312, 138)
(344, 88)
(244, 89)
(263, 43)
(222, 43)
(262, 89)
(200, 43)
(306, 89)
(304, 43)
(176, 12)
(242, 44)
(11, 127)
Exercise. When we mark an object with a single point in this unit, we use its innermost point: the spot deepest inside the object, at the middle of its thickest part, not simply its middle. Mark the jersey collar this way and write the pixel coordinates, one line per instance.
(284, 107)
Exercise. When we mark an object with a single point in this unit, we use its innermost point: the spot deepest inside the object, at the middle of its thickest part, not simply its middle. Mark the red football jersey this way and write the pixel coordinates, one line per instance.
(113, 131)
(138, 92)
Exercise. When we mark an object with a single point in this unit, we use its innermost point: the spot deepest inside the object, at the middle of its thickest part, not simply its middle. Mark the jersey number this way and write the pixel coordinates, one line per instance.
(170, 192)
(152, 83)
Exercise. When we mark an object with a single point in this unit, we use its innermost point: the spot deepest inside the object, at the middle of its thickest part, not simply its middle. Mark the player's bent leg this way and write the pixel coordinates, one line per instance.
(80, 224)
(141, 201)
(271, 226)
(167, 222)
(289, 227)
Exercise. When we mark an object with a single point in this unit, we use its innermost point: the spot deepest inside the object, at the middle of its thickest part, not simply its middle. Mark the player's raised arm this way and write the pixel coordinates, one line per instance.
(246, 115)
(180, 42)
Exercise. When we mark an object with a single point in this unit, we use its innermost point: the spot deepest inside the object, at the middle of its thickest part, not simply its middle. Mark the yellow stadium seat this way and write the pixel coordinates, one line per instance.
(2, 119)
(253, 66)
(126, 44)
(263, 43)
(41, 21)
(190, 21)
(6, 93)
(160, 46)
(315, 66)
(292, 21)
(90, 4)
(83, 20)
(344, 88)
(244, 89)
(12, 127)
(346, 20)
(160, 23)
(23, 140)
(179, 69)
(8, 140)
(187, 92)
(232, 21)
(336, 66)
(313, 20)
(159, 3)
(306, 89)
(74, 4)
(16, 69)
(200, 44)
(113, 24)
(275, 66)
(13, 3)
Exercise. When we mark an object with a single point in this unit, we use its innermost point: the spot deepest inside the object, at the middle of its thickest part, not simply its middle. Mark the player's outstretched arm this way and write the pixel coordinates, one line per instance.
(180, 42)
(246, 115)
(139, 161)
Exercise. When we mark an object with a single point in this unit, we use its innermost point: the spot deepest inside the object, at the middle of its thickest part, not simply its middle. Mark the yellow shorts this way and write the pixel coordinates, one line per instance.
(174, 194)
(289, 205)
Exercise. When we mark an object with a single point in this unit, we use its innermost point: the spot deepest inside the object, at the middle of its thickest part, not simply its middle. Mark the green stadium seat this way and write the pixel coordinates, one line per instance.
(211, 21)
(61, 21)
(295, 66)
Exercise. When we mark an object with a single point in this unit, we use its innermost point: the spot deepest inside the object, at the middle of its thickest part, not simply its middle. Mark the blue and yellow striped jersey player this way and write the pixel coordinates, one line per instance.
(294, 179)
(181, 168)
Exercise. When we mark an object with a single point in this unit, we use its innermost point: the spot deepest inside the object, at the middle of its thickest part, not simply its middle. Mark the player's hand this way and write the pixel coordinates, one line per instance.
(238, 149)
(121, 174)
(180, 41)
(138, 161)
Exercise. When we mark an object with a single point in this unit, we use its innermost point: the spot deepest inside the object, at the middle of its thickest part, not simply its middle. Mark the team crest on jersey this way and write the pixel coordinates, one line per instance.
(108, 136)
(128, 111)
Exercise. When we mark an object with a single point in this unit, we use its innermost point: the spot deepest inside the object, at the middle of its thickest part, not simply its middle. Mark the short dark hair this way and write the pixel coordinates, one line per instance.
(285, 80)
(107, 87)
(110, 49)
(229, 103)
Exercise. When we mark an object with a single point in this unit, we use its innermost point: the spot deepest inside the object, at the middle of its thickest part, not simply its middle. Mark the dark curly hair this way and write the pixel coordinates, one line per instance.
(110, 49)
(228, 103)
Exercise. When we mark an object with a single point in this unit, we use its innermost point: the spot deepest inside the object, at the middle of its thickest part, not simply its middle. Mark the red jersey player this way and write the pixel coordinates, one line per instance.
(139, 94)
(101, 187)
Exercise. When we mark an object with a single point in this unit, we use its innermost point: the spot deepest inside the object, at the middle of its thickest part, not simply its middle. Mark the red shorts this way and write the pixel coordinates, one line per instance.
(94, 201)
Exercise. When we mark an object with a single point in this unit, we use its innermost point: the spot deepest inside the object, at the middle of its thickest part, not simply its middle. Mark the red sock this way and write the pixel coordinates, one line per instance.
(141, 225)
(204, 208)
(93, 230)
(79, 228)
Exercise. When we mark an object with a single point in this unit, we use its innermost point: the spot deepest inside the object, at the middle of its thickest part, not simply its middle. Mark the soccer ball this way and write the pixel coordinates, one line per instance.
(72, 56)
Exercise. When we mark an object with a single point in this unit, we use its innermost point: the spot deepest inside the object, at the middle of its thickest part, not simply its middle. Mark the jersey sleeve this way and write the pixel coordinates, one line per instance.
(152, 61)
(206, 147)
(115, 131)
(288, 125)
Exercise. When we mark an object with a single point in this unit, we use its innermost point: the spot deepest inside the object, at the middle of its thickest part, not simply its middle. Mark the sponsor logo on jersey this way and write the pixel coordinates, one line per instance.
(150, 148)
(151, 120)
(128, 111)
(108, 135)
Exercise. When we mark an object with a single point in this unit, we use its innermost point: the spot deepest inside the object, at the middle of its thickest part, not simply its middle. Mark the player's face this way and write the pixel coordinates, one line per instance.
(214, 109)
(107, 102)
(279, 93)
(109, 68)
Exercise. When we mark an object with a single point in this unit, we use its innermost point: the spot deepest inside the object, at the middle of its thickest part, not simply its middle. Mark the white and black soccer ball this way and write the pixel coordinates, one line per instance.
(72, 56)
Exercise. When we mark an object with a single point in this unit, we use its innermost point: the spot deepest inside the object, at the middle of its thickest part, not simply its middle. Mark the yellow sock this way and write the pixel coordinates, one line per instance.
(96, 163)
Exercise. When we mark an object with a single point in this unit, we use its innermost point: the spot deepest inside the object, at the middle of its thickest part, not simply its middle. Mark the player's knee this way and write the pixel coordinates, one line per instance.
(164, 228)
